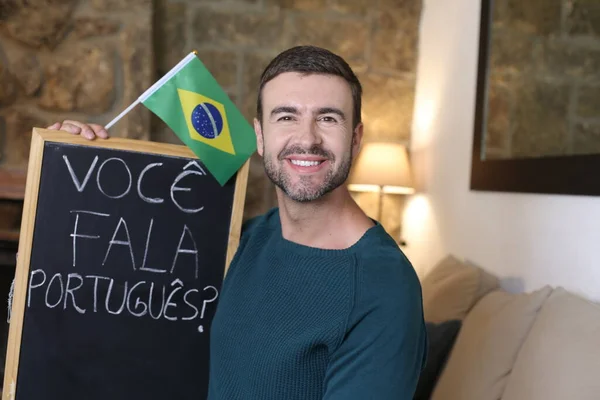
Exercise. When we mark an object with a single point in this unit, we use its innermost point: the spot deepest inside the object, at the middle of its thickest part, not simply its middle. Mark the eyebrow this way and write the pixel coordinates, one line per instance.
(322, 110)
(284, 109)
(332, 110)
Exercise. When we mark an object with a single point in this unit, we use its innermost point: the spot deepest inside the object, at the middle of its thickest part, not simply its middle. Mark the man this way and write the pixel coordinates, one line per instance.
(319, 302)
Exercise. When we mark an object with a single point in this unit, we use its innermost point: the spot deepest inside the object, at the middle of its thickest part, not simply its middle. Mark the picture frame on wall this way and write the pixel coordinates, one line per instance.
(537, 113)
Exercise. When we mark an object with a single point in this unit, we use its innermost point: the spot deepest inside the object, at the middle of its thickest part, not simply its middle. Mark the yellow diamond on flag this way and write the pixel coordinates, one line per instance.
(206, 120)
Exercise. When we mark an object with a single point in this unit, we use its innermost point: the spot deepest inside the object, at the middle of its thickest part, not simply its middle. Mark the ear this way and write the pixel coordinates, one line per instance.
(357, 140)
(259, 137)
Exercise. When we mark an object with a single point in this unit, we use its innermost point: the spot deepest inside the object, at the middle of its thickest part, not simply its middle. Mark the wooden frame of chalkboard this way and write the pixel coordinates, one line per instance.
(41, 138)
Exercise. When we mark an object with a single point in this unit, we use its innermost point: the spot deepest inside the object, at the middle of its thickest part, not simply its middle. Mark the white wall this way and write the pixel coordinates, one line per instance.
(528, 240)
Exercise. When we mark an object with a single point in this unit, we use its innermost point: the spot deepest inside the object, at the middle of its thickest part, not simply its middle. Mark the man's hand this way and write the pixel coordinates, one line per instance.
(88, 131)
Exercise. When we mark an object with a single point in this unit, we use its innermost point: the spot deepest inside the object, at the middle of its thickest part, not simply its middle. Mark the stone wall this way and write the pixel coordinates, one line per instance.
(237, 38)
(62, 59)
(89, 59)
(544, 78)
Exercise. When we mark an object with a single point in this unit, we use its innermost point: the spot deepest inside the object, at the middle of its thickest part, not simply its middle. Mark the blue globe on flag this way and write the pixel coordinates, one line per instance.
(207, 120)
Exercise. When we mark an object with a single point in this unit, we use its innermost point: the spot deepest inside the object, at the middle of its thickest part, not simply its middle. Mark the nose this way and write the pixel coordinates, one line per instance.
(308, 134)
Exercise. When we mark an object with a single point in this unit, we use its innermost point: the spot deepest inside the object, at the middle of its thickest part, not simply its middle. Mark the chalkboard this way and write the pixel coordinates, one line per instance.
(123, 248)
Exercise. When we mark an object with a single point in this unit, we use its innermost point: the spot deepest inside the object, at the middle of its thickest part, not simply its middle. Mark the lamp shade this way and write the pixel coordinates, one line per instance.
(381, 166)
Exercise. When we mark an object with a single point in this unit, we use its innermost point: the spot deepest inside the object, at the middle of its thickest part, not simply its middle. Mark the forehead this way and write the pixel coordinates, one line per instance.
(307, 90)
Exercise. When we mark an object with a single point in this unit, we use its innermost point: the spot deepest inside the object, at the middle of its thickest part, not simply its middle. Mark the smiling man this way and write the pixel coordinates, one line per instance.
(319, 303)
(310, 149)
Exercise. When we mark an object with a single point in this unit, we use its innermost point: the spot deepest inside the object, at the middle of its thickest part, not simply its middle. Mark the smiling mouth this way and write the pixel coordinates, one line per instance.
(306, 163)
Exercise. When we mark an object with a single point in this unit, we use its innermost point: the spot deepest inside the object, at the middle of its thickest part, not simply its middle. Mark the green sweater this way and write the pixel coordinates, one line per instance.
(300, 323)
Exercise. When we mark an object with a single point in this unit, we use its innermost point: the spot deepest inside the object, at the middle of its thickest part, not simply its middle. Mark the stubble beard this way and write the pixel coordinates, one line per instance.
(305, 190)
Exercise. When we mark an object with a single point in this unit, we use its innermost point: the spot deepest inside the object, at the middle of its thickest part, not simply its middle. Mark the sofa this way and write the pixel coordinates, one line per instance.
(488, 344)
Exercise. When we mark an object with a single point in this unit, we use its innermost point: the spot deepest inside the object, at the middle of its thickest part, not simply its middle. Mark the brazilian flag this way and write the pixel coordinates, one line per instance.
(191, 102)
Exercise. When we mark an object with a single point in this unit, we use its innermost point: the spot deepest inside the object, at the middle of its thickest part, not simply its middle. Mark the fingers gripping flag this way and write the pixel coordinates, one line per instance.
(191, 102)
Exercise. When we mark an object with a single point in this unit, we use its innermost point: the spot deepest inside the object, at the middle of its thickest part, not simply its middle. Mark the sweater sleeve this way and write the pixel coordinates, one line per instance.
(384, 347)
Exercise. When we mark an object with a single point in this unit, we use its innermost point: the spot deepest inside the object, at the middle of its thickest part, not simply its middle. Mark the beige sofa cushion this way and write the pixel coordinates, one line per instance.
(560, 359)
(452, 288)
(487, 346)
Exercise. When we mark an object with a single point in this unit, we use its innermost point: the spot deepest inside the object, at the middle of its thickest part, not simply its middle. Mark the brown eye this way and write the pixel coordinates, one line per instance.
(328, 119)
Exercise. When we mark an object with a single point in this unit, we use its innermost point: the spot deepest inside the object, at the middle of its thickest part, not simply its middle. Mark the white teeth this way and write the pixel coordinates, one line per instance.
(303, 163)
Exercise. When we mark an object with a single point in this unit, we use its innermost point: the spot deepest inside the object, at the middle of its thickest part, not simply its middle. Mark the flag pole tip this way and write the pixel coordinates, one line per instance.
(195, 52)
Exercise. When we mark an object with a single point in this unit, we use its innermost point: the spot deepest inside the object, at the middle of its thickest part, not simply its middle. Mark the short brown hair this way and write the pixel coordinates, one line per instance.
(312, 60)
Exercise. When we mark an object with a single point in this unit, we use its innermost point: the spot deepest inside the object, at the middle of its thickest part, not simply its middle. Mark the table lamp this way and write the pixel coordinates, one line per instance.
(381, 167)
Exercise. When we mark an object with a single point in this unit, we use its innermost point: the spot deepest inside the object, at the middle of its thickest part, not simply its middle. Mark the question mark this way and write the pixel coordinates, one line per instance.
(201, 328)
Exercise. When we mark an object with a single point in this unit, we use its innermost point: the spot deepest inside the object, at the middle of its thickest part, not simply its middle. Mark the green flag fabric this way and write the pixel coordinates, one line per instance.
(191, 102)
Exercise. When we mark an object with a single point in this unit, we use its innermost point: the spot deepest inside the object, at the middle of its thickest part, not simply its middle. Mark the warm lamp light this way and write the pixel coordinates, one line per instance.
(382, 168)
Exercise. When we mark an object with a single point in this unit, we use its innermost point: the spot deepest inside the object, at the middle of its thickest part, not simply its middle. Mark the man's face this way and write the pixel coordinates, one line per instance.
(306, 138)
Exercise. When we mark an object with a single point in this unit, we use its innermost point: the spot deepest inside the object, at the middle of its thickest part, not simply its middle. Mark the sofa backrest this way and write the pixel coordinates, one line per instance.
(560, 358)
(488, 344)
(452, 288)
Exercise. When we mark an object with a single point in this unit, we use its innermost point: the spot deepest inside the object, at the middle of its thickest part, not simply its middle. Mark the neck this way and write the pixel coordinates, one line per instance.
(334, 221)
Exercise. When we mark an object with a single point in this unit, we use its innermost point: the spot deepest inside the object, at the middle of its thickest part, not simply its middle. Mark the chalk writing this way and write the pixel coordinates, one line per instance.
(194, 251)
(76, 235)
(137, 299)
(150, 200)
(175, 188)
(80, 186)
(122, 245)
(190, 169)
(124, 193)
(143, 267)
(114, 241)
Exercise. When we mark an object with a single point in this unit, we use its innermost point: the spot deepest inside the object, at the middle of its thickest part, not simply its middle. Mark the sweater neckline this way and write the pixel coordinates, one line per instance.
(290, 246)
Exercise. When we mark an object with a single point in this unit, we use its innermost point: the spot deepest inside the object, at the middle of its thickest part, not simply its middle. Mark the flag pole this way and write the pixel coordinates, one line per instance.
(118, 117)
(154, 87)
